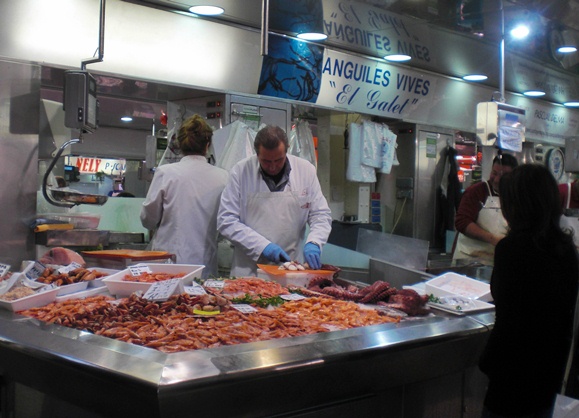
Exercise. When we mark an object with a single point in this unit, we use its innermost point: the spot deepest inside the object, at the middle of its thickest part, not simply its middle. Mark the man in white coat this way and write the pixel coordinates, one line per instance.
(269, 200)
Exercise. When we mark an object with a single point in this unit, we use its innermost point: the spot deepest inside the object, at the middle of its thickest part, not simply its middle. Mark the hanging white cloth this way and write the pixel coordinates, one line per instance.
(239, 144)
(301, 142)
(371, 144)
(388, 150)
(357, 171)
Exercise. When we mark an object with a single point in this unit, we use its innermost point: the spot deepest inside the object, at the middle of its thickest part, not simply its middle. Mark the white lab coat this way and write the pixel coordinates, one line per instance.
(251, 216)
(182, 205)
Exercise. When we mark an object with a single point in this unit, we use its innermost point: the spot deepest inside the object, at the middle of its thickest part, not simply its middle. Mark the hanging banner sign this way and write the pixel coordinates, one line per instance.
(305, 72)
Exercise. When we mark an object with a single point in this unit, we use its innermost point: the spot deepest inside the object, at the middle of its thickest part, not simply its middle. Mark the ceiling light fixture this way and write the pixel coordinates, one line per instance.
(312, 36)
(520, 31)
(127, 119)
(206, 10)
(566, 49)
(572, 104)
(398, 57)
(475, 77)
(534, 93)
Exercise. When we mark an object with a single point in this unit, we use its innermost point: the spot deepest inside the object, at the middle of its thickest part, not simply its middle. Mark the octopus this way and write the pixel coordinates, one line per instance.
(409, 301)
(380, 292)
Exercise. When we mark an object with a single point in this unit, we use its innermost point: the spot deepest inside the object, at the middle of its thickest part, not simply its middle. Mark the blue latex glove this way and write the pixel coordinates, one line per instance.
(312, 255)
(274, 252)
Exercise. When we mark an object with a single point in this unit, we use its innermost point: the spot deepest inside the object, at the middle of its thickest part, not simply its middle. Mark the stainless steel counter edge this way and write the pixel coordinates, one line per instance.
(204, 366)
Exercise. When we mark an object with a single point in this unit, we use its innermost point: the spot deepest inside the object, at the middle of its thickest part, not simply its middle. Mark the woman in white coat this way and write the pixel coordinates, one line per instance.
(183, 200)
(268, 201)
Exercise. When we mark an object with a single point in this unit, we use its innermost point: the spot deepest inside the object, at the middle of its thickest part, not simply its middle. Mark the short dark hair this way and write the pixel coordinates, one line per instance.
(269, 137)
(506, 160)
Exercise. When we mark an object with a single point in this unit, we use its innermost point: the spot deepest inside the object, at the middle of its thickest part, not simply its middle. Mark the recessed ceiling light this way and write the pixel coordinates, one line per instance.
(312, 36)
(127, 119)
(398, 57)
(567, 49)
(572, 104)
(206, 10)
(534, 93)
(475, 77)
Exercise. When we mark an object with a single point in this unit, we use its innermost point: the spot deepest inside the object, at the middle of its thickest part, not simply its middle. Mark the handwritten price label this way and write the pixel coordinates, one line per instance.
(4, 268)
(215, 284)
(162, 291)
(292, 296)
(244, 308)
(139, 269)
(195, 290)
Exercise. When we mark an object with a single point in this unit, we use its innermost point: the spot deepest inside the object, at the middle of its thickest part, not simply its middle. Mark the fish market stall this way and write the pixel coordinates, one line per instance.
(400, 369)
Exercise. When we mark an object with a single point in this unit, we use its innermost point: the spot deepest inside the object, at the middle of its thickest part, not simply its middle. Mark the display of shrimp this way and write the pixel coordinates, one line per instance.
(250, 286)
(148, 277)
(51, 275)
(172, 326)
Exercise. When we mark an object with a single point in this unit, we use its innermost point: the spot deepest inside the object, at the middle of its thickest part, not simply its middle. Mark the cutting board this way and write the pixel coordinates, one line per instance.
(132, 254)
(276, 271)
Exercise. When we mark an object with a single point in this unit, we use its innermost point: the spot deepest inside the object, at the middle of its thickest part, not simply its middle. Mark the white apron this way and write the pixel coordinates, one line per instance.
(570, 223)
(276, 216)
(490, 219)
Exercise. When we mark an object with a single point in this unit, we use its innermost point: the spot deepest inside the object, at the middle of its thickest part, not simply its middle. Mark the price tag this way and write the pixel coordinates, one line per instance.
(47, 288)
(195, 290)
(4, 268)
(292, 296)
(244, 308)
(6, 285)
(36, 271)
(139, 269)
(215, 284)
(67, 269)
(162, 291)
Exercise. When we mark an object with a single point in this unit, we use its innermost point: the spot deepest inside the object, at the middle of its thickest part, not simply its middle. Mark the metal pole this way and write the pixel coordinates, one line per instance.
(101, 46)
(502, 55)
(264, 27)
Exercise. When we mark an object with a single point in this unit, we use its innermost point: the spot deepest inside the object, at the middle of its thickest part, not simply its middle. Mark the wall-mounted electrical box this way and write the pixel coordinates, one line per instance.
(501, 125)
(80, 101)
(404, 187)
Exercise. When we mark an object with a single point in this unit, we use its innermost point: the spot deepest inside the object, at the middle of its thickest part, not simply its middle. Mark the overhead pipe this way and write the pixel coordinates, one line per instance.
(264, 27)
(101, 46)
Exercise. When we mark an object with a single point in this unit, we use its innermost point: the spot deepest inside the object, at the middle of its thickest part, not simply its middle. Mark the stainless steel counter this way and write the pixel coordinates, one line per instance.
(391, 369)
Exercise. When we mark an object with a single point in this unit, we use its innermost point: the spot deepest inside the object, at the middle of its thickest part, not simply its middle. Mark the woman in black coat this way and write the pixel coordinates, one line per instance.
(534, 286)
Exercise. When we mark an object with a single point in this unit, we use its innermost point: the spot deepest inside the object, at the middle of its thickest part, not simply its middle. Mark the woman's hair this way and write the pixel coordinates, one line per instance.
(531, 204)
(269, 137)
(194, 136)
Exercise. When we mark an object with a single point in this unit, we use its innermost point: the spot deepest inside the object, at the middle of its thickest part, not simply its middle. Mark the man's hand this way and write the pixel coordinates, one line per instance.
(312, 253)
(275, 253)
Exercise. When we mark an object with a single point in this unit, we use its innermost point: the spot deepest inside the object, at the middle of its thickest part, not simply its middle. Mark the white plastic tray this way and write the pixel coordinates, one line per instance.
(122, 288)
(32, 301)
(457, 284)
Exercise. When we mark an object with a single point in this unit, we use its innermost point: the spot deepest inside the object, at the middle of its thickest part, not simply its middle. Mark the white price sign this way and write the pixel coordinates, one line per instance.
(4, 268)
(139, 269)
(292, 296)
(162, 291)
(215, 284)
(243, 308)
(195, 290)
(36, 271)
(67, 269)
